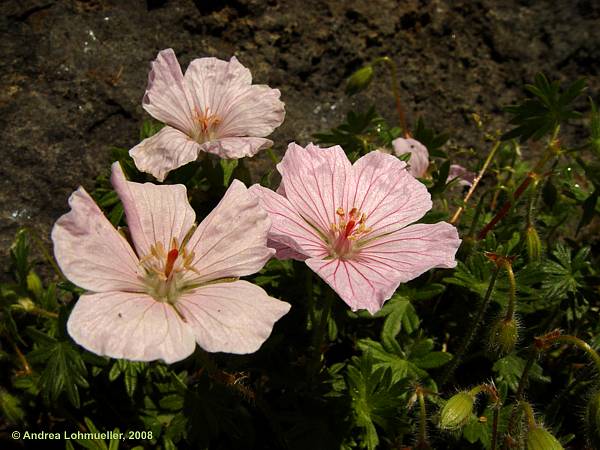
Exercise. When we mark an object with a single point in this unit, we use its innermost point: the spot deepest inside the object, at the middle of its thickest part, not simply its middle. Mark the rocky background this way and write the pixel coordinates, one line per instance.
(73, 72)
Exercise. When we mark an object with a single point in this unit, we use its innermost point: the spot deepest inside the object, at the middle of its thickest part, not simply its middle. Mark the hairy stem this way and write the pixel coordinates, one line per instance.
(472, 330)
(396, 91)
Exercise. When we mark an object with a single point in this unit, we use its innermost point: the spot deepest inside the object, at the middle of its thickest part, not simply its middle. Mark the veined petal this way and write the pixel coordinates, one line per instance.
(167, 98)
(165, 151)
(154, 213)
(236, 147)
(361, 284)
(314, 180)
(130, 326)
(419, 156)
(231, 240)
(415, 249)
(390, 197)
(283, 251)
(254, 111)
(232, 317)
(90, 252)
(288, 229)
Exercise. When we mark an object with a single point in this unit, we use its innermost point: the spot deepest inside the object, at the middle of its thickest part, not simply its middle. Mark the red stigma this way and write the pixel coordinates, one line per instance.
(171, 257)
(349, 228)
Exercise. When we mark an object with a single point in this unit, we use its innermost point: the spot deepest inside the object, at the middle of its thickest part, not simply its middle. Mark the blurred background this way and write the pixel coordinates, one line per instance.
(73, 72)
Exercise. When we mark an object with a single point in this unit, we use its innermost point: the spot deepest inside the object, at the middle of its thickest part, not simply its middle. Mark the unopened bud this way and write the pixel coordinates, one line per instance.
(534, 245)
(359, 80)
(504, 336)
(539, 438)
(34, 284)
(592, 420)
(25, 304)
(457, 411)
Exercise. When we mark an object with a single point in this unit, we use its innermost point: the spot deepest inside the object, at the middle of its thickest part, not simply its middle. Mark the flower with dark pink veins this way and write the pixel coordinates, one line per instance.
(177, 285)
(351, 223)
(419, 156)
(213, 108)
(465, 177)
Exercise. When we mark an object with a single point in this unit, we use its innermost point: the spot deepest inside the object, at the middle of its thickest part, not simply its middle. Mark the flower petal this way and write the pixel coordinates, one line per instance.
(154, 213)
(314, 180)
(256, 111)
(419, 156)
(361, 284)
(165, 151)
(167, 98)
(288, 229)
(415, 249)
(232, 240)
(231, 317)
(90, 252)
(130, 326)
(236, 147)
(390, 197)
(223, 90)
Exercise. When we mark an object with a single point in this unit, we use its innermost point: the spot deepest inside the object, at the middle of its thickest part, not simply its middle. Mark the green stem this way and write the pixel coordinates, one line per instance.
(396, 91)
(273, 156)
(521, 389)
(495, 428)
(484, 168)
(422, 418)
(471, 333)
(512, 292)
(582, 345)
(528, 410)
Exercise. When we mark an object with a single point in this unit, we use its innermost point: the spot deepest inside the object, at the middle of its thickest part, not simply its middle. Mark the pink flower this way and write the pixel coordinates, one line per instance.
(213, 108)
(465, 177)
(419, 156)
(177, 285)
(350, 223)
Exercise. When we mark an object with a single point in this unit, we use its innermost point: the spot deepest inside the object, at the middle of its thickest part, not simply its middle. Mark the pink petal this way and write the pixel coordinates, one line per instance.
(465, 177)
(130, 326)
(314, 180)
(232, 317)
(362, 285)
(390, 197)
(288, 228)
(257, 111)
(154, 213)
(236, 147)
(166, 97)
(231, 240)
(419, 156)
(414, 249)
(282, 251)
(165, 151)
(224, 90)
(90, 252)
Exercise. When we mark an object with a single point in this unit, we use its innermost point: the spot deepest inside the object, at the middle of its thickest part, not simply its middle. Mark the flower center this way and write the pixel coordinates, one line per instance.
(346, 231)
(206, 124)
(164, 271)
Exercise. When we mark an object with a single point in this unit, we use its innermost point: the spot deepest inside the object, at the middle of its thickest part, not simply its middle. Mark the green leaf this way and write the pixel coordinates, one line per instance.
(64, 372)
(433, 360)
(11, 407)
(228, 166)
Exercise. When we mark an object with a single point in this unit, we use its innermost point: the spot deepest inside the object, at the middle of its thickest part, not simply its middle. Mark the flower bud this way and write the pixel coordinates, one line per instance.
(504, 336)
(359, 80)
(539, 438)
(25, 304)
(592, 420)
(533, 243)
(457, 411)
(34, 284)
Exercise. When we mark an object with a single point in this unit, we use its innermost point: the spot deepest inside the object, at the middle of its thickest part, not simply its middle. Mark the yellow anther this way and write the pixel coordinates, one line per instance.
(340, 211)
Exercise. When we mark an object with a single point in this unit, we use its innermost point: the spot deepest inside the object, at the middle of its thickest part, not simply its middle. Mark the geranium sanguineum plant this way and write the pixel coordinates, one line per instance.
(177, 285)
(351, 223)
(213, 108)
(419, 155)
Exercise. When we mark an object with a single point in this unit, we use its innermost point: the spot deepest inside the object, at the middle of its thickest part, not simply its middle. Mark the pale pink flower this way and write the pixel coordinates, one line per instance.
(177, 285)
(213, 108)
(350, 223)
(419, 156)
(465, 177)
